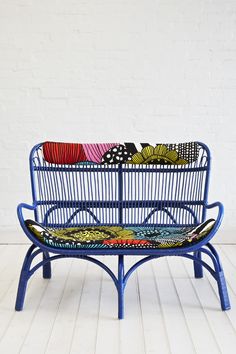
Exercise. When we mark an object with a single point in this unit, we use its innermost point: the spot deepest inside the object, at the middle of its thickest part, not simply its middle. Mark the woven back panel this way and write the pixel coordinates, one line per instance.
(89, 193)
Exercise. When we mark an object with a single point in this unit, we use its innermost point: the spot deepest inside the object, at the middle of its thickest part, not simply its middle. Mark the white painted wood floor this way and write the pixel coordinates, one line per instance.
(167, 310)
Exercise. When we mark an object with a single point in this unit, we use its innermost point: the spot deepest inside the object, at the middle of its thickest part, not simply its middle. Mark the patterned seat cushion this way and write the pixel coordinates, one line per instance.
(120, 237)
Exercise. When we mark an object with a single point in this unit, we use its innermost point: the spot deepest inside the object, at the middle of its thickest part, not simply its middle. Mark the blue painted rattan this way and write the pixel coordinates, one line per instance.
(126, 195)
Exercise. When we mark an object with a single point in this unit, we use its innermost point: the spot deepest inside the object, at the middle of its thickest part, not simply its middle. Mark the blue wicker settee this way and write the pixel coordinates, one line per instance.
(120, 199)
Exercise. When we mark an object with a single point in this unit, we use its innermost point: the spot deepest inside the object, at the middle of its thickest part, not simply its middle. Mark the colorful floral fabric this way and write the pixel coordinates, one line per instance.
(157, 155)
(120, 237)
(116, 153)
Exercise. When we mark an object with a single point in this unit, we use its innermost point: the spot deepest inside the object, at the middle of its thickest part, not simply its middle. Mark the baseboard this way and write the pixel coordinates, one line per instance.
(13, 236)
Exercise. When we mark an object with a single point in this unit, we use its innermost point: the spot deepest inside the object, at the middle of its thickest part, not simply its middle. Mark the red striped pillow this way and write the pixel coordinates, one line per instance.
(63, 153)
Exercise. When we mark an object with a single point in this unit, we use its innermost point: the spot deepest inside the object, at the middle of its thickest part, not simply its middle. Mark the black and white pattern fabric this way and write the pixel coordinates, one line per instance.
(187, 151)
(117, 154)
(145, 153)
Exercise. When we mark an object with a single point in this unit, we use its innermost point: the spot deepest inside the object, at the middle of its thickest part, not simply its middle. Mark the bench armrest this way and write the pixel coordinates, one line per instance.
(21, 218)
(219, 216)
(20, 208)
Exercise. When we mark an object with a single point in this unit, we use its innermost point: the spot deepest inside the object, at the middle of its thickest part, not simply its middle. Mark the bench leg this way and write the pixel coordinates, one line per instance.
(223, 292)
(24, 277)
(220, 278)
(198, 269)
(120, 287)
(21, 291)
(47, 273)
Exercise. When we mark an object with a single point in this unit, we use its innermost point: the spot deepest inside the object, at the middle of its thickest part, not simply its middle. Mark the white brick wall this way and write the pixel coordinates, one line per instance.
(110, 70)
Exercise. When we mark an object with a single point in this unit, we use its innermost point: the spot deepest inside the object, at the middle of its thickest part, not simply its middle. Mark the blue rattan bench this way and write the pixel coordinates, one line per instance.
(120, 199)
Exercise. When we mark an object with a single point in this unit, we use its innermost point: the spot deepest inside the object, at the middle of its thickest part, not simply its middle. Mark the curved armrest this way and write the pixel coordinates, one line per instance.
(22, 206)
(29, 234)
(219, 216)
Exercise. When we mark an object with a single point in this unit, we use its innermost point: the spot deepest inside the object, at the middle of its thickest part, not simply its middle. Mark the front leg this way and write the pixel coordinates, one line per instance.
(47, 272)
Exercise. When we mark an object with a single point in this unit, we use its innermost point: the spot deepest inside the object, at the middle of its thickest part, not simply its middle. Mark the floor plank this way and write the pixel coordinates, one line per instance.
(64, 321)
(218, 320)
(108, 324)
(201, 333)
(227, 258)
(9, 272)
(37, 336)
(166, 308)
(178, 333)
(131, 327)
(11, 263)
(85, 329)
(155, 332)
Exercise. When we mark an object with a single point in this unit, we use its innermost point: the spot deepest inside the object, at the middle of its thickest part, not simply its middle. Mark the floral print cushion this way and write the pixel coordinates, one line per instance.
(119, 237)
(117, 153)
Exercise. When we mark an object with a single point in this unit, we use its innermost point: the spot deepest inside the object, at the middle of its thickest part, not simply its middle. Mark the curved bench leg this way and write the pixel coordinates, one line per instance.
(220, 278)
(198, 269)
(223, 292)
(120, 287)
(24, 277)
(47, 272)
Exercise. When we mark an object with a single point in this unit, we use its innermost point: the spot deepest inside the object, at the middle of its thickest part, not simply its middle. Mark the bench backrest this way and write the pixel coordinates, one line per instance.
(81, 187)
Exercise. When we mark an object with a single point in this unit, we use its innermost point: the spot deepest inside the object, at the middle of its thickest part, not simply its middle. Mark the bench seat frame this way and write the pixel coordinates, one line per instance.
(193, 252)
